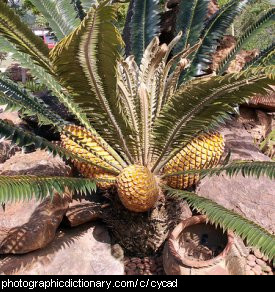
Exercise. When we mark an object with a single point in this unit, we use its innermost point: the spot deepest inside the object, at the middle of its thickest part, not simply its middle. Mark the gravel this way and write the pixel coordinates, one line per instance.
(258, 264)
(144, 266)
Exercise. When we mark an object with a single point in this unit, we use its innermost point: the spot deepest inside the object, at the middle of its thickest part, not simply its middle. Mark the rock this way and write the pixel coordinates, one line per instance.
(257, 269)
(241, 59)
(80, 251)
(250, 197)
(266, 102)
(12, 117)
(225, 46)
(257, 253)
(260, 262)
(259, 124)
(213, 7)
(256, 272)
(41, 221)
(251, 258)
(30, 225)
(240, 142)
(81, 211)
(267, 269)
(7, 150)
(251, 263)
(36, 163)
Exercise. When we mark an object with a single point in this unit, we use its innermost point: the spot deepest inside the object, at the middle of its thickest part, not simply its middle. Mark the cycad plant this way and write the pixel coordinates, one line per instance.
(147, 122)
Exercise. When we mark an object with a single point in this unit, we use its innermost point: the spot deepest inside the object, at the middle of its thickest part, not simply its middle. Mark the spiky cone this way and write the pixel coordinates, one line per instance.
(202, 152)
(137, 188)
(90, 142)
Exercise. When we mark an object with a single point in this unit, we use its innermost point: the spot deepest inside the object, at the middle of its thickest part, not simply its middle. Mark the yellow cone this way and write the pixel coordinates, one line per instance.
(85, 169)
(137, 188)
(202, 152)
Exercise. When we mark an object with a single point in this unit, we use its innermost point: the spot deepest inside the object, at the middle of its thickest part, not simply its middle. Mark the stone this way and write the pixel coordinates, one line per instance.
(257, 270)
(30, 225)
(82, 210)
(12, 117)
(85, 250)
(225, 46)
(257, 253)
(213, 7)
(251, 197)
(241, 59)
(35, 163)
(7, 150)
(260, 262)
(251, 263)
(251, 258)
(267, 269)
(266, 102)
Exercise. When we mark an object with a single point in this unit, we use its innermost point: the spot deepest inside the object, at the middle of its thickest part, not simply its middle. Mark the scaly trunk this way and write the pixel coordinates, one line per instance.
(142, 234)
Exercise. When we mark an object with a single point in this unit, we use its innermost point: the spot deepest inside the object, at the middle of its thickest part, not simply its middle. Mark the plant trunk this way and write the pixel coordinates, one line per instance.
(142, 234)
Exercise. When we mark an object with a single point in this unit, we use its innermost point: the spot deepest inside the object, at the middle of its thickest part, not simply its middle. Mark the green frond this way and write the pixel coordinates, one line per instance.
(18, 188)
(46, 79)
(190, 20)
(203, 104)
(214, 30)
(253, 234)
(91, 54)
(265, 58)
(87, 4)
(15, 97)
(266, 20)
(144, 26)
(24, 59)
(60, 14)
(246, 168)
(18, 33)
(22, 138)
